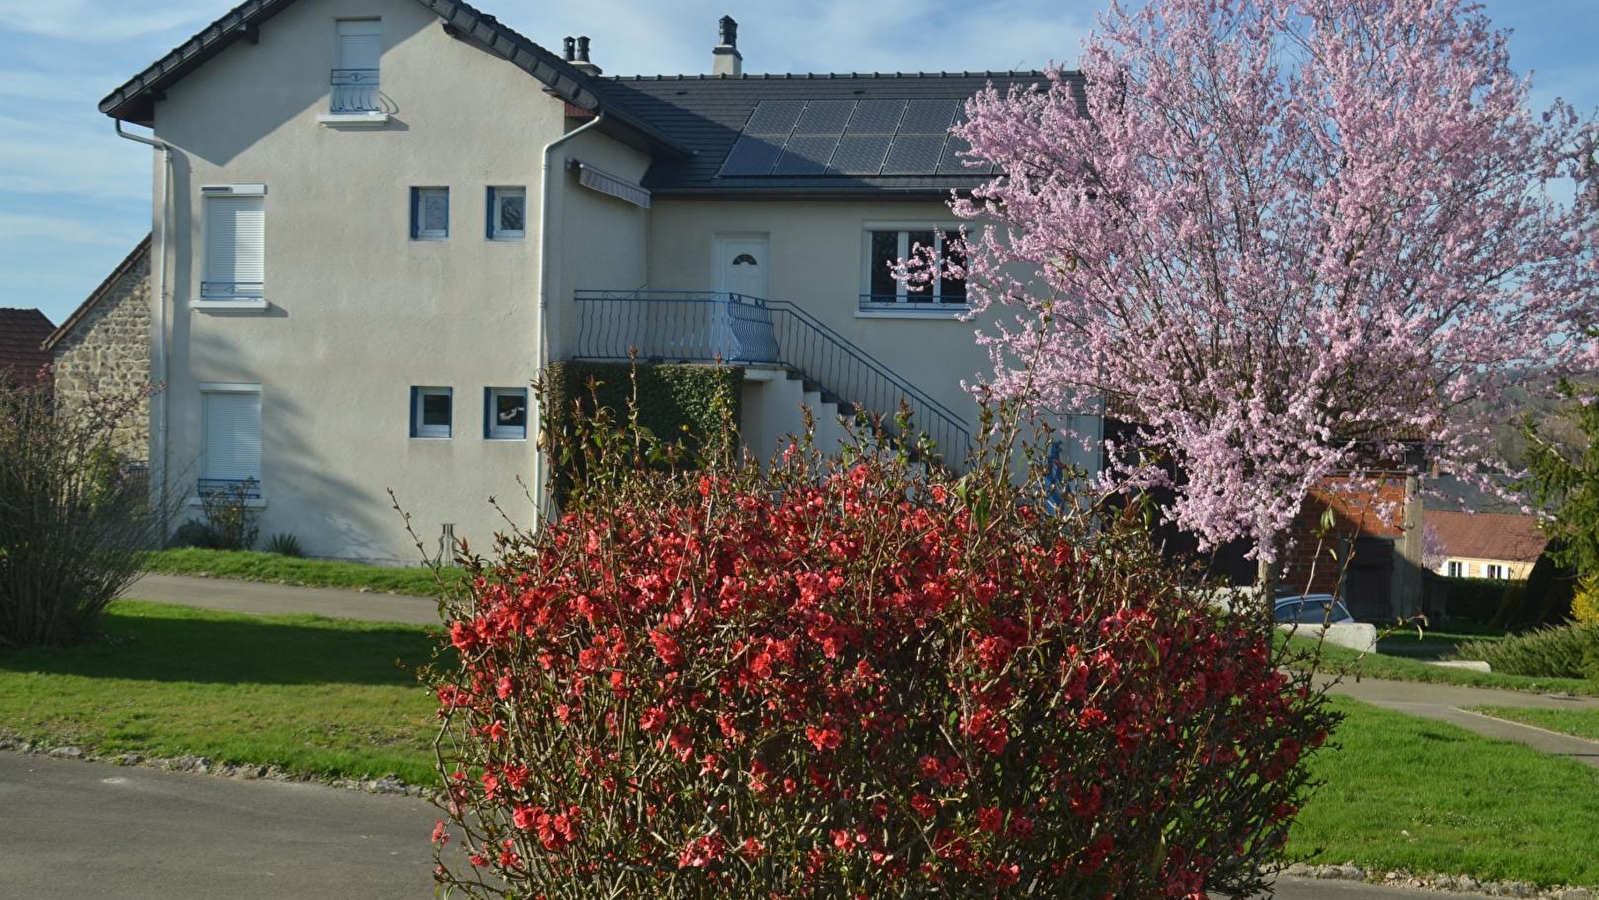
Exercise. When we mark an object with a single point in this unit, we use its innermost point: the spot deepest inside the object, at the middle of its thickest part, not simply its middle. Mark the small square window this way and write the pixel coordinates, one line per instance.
(507, 213)
(505, 414)
(430, 213)
(431, 412)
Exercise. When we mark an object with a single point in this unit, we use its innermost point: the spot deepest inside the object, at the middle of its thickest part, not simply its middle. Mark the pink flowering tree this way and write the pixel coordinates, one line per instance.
(1280, 235)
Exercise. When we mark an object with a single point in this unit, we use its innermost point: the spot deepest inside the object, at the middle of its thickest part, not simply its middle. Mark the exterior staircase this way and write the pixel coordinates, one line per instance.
(774, 340)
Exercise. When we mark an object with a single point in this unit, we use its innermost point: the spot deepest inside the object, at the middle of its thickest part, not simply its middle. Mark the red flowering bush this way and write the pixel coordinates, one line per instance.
(855, 681)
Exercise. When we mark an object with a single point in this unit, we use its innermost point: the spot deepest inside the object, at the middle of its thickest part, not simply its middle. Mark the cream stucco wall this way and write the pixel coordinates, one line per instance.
(1477, 567)
(817, 261)
(358, 312)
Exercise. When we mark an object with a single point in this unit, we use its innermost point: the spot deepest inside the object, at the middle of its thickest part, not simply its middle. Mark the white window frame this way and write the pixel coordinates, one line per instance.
(497, 196)
(1455, 568)
(902, 306)
(211, 388)
(1494, 570)
(420, 429)
(212, 294)
(419, 196)
(494, 431)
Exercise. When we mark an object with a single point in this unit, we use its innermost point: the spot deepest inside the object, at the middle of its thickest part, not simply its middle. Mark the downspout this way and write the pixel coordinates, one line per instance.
(158, 336)
(544, 292)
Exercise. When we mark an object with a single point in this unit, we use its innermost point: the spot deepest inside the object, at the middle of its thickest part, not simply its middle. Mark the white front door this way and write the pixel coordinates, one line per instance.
(741, 269)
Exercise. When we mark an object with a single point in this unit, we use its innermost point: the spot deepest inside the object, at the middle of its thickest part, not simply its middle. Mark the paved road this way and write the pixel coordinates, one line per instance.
(91, 831)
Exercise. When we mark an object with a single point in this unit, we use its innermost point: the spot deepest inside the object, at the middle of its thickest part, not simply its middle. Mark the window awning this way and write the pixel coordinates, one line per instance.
(611, 185)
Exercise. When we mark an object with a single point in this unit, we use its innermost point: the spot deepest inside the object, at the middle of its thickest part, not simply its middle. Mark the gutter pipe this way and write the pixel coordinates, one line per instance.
(546, 183)
(158, 337)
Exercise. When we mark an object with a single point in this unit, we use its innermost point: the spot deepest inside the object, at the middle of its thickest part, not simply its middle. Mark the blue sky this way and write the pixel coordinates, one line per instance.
(74, 198)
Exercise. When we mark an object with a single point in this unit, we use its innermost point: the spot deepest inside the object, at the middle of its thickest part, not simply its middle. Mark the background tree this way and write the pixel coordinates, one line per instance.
(1563, 480)
(1281, 235)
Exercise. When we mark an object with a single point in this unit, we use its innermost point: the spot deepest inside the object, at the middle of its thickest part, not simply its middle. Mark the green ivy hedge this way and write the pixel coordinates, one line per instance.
(1482, 599)
(677, 403)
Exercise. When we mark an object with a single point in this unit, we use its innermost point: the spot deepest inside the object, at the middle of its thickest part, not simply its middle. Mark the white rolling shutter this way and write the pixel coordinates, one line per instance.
(233, 435)
(235, 246)
(360, 44)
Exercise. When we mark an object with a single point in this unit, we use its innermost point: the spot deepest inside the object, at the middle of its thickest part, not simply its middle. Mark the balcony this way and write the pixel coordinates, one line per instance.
(356, 93)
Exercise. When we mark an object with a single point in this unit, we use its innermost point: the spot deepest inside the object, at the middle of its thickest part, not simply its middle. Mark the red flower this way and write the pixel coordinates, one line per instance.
(666, 648)
(653, 719)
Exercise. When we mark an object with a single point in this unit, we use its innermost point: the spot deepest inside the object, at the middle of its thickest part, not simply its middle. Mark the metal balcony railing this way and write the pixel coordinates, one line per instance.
(710, 326)
(355, 91)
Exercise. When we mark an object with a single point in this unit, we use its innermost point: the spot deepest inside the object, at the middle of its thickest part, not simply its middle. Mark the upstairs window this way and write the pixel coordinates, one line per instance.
(235, 243)
(1493, 570)
(1457, 569)
(886, 247)
(430, 213)
(507, 213)
(355, 67)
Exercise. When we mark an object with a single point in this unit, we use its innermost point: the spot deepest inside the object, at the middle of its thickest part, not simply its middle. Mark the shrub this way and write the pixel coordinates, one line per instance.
(74, 515)
(229, 521)
(285, 544)
(854, 681)
(1483, 599)
(1585, 605)
(1569, 651)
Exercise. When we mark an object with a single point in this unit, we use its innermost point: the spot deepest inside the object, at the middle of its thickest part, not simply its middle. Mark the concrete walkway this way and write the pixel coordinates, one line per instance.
(93, 831)
(259, 598)
(1448, 702)
(1443, 702)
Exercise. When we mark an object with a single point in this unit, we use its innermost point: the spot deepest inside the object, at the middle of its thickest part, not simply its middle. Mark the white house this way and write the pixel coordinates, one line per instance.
(374, 221)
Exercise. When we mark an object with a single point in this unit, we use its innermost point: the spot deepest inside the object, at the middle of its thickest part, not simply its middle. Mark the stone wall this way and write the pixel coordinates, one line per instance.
(107, 352)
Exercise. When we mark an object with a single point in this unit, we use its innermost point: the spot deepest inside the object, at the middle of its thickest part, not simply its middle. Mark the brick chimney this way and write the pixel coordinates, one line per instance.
(725, 58)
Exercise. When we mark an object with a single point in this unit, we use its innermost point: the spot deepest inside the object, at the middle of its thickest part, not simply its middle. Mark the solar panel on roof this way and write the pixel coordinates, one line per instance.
(825, 117)
(928, 116)
(774, 117)
(806, 155)
(876, 117)
(913, 154)
(952, 163)
(859, 154)
(752, 156)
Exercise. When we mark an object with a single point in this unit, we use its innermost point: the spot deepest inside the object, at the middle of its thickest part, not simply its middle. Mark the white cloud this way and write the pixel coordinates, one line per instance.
(104, 21)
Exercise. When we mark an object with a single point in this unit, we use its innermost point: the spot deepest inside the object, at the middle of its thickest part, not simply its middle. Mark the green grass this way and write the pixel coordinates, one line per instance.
(252, 566)
(1343, 661)
(1404, 792)
(1583, 723)
(1430, 645)
(337, 698)
(316, 696)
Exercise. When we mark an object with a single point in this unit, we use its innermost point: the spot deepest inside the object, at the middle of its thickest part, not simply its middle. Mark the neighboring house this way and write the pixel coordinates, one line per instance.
(1372, 553)
(102, 350)
(376, 220)
(22, 336)
(1486, 544)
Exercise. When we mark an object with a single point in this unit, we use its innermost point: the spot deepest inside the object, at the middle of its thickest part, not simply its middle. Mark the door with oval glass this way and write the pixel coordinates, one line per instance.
(741, 270)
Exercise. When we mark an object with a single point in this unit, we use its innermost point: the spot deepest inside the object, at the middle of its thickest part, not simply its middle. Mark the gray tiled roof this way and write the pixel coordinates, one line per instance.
(688, 123)
(706, 113)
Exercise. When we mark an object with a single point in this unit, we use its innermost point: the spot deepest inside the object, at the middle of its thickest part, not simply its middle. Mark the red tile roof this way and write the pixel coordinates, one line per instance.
(1512, 538)
(22, 336)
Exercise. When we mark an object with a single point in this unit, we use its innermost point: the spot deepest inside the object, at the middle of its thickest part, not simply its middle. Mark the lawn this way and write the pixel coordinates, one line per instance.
(271, 567)
(1404, 792)
(1432, 645)
(1349, 663)
(1583, 723)
(312, 695)
(338, 698)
